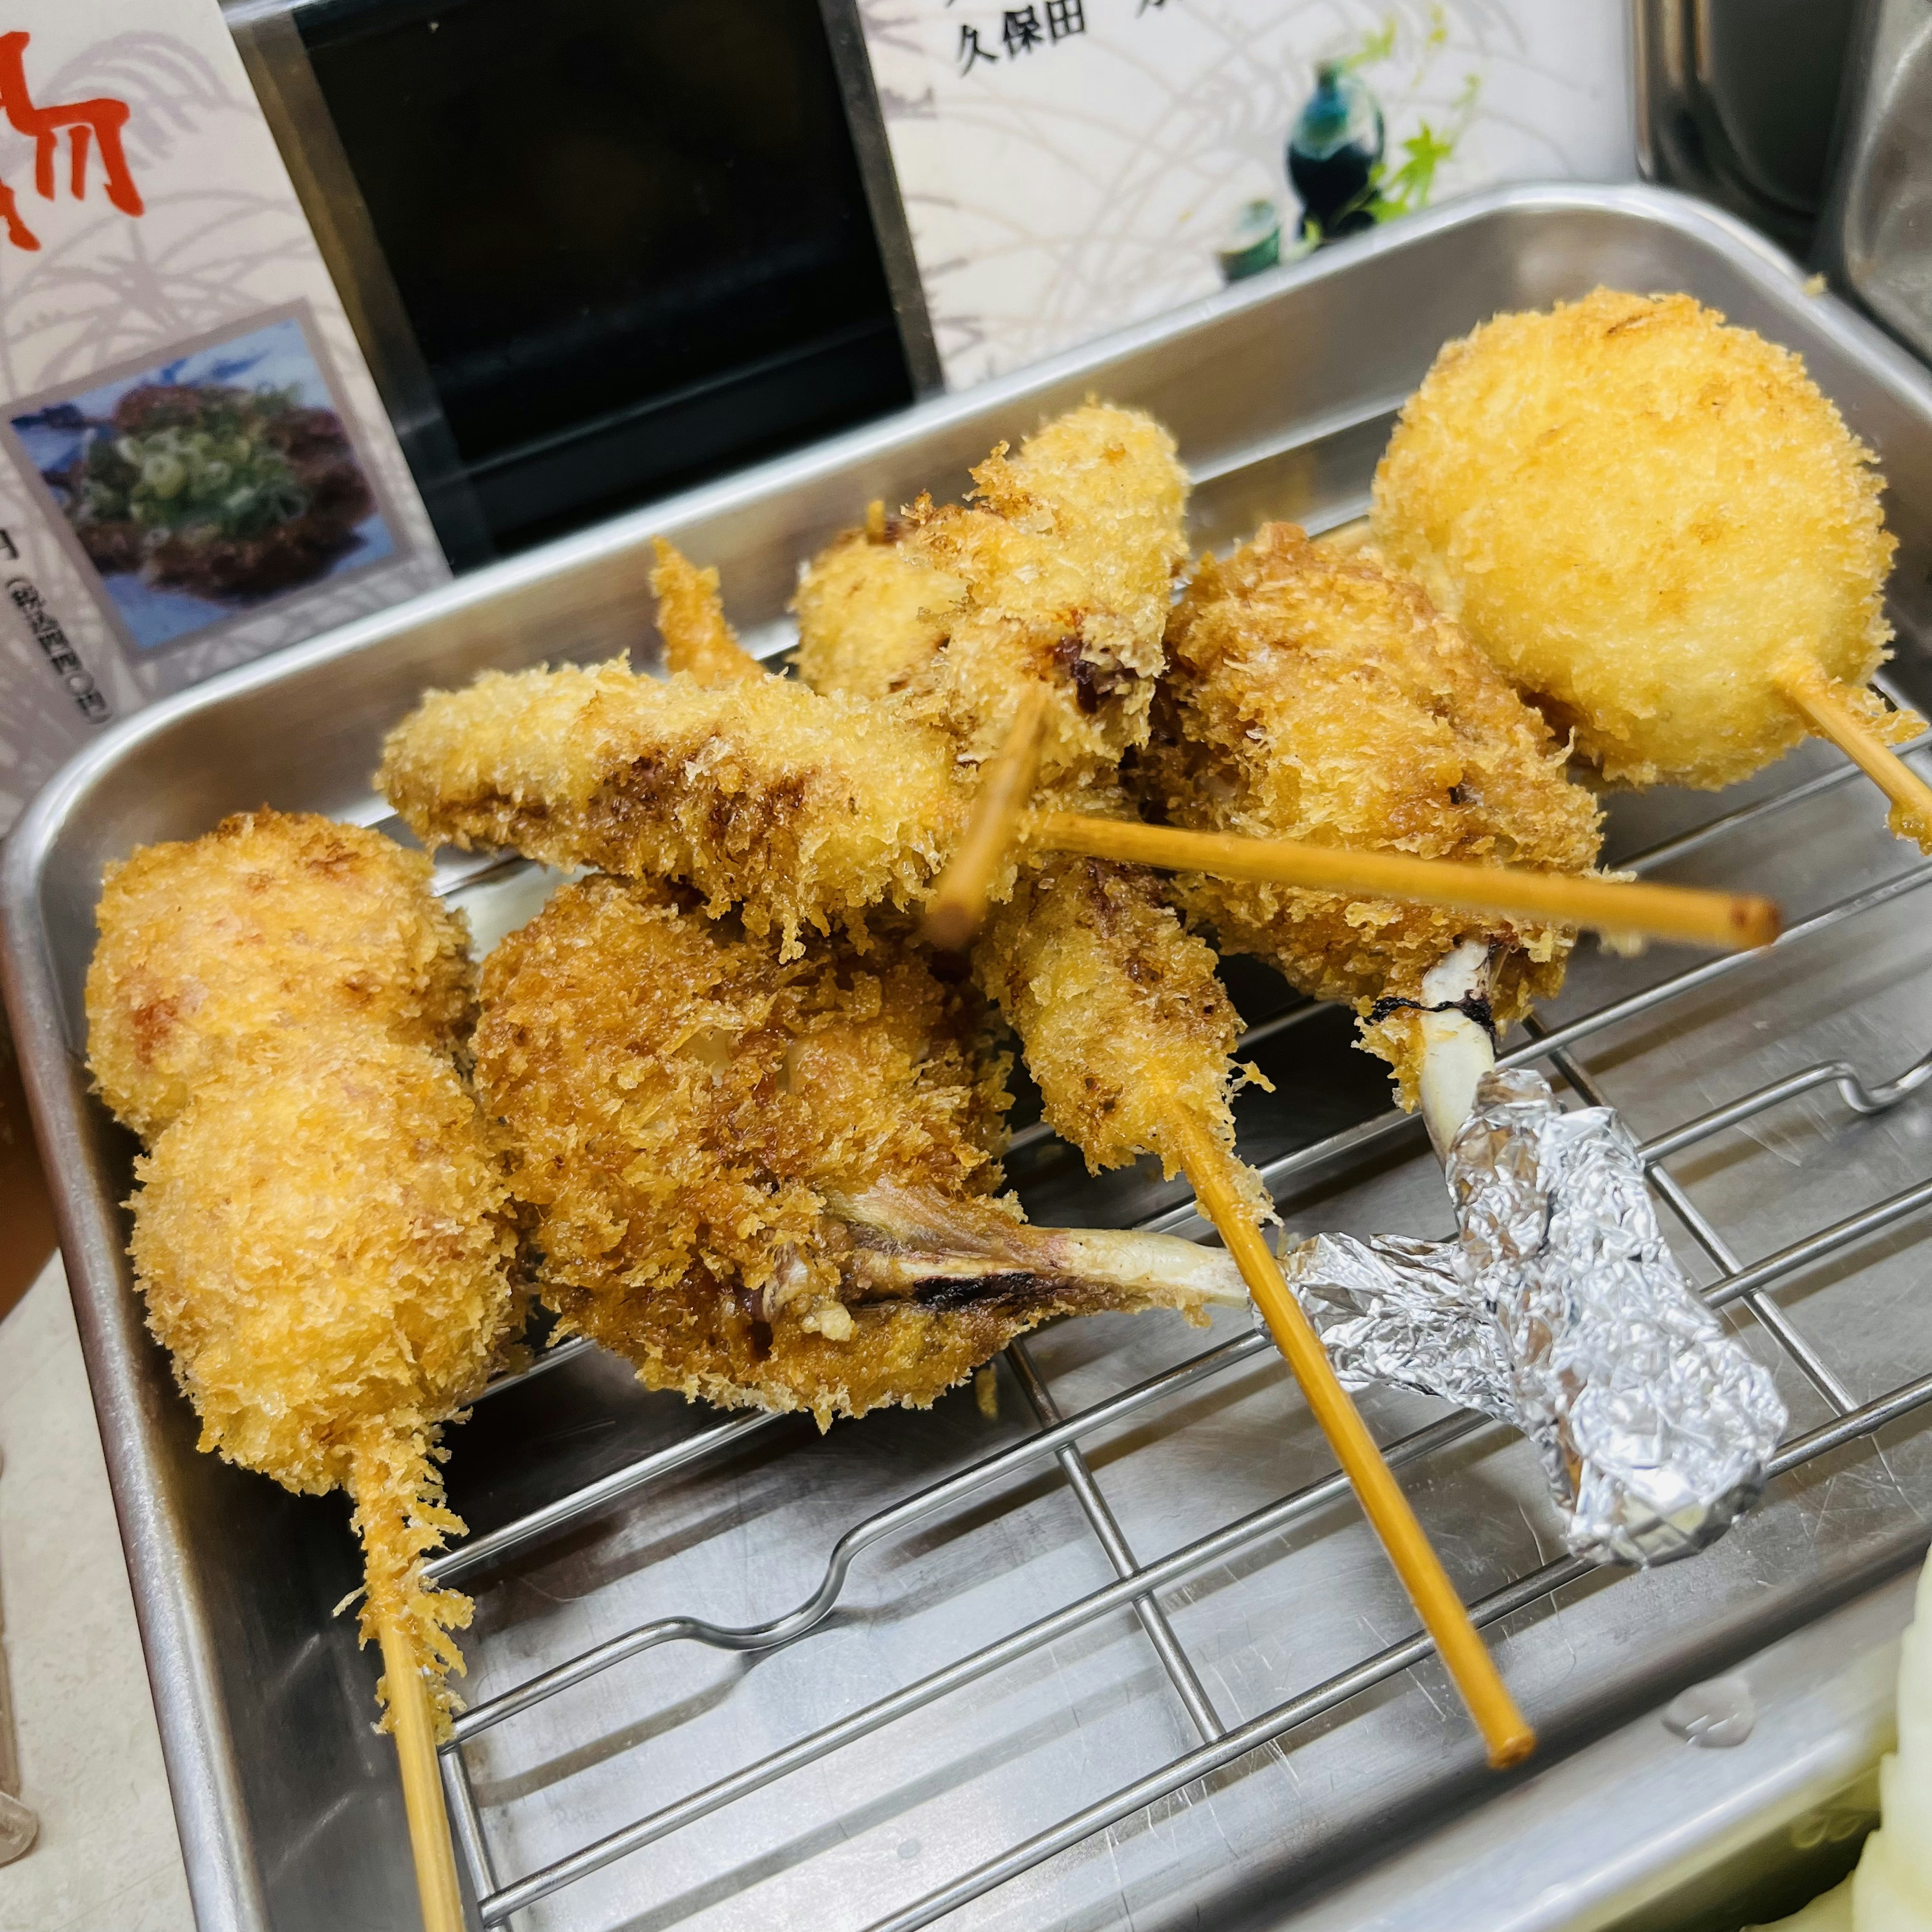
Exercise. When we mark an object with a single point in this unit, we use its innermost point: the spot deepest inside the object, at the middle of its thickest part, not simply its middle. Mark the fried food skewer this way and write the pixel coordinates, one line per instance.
(1311, 694)
(1185, 1120)
(1659, 528)
(1086, 992)
(322, 1231)
(772, 1183)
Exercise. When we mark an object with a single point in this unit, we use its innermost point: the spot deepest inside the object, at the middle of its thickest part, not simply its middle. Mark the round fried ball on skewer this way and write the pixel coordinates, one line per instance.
(273, 920)
(771, 1184)
(1312, 695)
(323, 1239)
(1640, 514)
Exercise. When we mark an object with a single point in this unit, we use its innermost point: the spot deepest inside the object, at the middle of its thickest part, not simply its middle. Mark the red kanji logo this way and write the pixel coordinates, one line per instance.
(88, 123)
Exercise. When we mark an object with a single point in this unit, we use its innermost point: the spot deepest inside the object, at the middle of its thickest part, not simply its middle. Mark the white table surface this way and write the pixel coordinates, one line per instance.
(107, 1858)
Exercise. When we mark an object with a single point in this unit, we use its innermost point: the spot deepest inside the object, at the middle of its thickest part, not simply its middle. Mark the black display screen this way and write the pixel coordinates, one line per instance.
(631, 236)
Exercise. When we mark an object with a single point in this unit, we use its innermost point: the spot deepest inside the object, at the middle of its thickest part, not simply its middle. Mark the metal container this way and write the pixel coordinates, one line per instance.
(1123, 1650)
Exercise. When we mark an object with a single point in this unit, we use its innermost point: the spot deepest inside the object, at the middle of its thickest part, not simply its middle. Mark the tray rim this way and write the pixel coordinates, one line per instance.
(205, 1776)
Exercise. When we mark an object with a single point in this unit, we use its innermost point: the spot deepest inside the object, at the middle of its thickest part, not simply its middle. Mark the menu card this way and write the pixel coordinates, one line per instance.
(1067, 167)
(195, 465)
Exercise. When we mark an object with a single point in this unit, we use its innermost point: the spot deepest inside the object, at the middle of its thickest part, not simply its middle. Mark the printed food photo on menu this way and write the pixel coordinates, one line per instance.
(208, 484)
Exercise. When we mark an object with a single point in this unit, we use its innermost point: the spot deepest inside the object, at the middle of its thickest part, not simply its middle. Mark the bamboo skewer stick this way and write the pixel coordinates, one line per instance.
(958, 902)
(1734, 920)
(1506, 1733)
(1822, 701)
(422, 1783)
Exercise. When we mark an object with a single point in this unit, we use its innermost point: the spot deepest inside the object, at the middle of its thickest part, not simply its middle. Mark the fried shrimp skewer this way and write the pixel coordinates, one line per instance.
(322, 1231)
(1662, 532)
(772, 1183)
(1130, 1036)
(1313, 695)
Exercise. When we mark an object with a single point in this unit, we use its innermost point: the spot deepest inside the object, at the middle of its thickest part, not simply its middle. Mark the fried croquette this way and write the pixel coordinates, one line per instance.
(273, 920)
(1312, 695)
(1638, 511)
(691, 620)
(322, 1240)
(801, 810)
(1057, 572)
(772, 1183)
(323, 1230)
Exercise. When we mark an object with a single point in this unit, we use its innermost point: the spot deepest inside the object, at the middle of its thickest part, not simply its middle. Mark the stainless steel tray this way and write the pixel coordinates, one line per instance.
(1144, 1662)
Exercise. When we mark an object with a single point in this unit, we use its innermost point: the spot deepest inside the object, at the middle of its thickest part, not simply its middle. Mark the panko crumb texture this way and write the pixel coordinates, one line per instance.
(1057, 572)
(1312, 695)
(323, 1233)
(324, 1241)
(801, 810)
(686, 1112)
(273, 920)
(1637, 512)
(1124, 1018)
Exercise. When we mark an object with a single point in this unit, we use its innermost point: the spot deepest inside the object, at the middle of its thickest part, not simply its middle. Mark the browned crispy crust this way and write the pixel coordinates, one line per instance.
(1124, 1019)
(324, 1242)
(691, 620)
(699, 1128)
(1313, 694)
(322, 1233)
(1057, 572)
(801, 810)
(273, 920)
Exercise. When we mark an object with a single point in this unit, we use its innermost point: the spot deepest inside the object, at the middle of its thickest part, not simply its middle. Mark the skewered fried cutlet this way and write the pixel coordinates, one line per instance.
(1314, 695)
(1119, 1010)
(273, 919)
(802, 810)
(1057, 572)
(1638, 512)
(771, 1184)
(323, 1230)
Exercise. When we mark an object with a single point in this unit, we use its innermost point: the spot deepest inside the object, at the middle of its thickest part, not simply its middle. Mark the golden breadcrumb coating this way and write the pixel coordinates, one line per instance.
(1124, 1019)
(1058, 573)
(1637, 512)
(769, 1183)
(870, 614)
(1312, 695)
(691, 620)
(803, 810)
(1119, 1010)
(273, 920)
(323, 1242)
(323, 1232)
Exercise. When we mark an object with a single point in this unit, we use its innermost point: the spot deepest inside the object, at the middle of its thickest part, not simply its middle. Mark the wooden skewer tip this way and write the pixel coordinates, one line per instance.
(436, 1886)
(1507, 1735)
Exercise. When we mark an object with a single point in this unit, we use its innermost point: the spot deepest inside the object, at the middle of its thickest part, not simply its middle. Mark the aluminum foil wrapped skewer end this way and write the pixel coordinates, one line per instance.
(1559, 1309)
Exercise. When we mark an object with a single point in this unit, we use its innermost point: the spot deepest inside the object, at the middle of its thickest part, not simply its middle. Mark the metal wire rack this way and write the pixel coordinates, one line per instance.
(1057, 1440)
